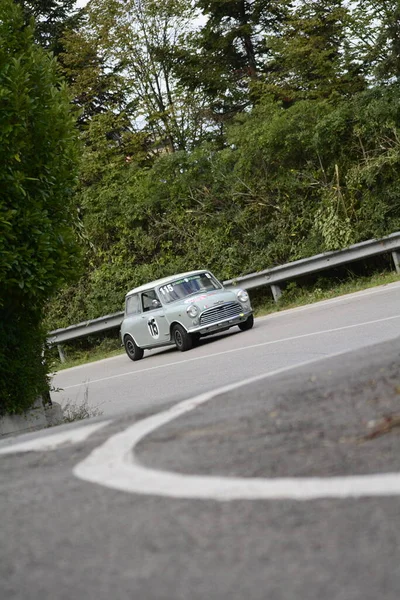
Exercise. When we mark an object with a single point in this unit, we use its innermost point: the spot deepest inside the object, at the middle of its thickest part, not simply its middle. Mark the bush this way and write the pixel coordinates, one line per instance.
(23, 372)
(37, 174)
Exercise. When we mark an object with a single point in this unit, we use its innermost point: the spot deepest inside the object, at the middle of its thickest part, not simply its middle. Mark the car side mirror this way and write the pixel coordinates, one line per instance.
(155, 303)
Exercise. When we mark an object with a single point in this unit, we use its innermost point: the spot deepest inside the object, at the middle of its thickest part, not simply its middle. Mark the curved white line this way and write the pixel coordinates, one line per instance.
(72, 435)
(115, 466)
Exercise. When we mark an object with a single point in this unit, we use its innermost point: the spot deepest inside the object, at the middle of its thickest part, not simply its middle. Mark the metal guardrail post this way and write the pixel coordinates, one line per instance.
(61, 353)
(396, 260)
(276, 292)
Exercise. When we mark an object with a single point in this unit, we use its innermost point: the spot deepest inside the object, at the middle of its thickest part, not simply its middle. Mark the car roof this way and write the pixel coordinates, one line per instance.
(163, 281)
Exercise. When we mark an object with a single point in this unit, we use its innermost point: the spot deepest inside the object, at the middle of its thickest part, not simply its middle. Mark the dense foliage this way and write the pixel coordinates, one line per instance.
(291, 183)
(38, 251)
(253, 134)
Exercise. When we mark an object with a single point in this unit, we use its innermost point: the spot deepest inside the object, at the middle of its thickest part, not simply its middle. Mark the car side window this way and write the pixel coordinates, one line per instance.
(133, 305)
(150, 300)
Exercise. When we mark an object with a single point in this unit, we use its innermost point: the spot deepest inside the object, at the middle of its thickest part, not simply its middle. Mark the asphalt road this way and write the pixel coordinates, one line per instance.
(281, 340)
(78, 521)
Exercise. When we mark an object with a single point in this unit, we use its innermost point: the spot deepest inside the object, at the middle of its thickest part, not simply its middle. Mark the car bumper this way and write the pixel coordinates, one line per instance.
(223, 324)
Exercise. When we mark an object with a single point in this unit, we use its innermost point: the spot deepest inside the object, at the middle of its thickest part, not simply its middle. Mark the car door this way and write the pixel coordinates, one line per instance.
(153, 328)
(133, 313)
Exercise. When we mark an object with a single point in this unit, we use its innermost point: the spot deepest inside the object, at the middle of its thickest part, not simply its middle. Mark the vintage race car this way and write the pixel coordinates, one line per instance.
(179, 310)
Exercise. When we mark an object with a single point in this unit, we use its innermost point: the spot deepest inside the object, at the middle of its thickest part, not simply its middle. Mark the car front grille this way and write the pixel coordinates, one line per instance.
(218, 313)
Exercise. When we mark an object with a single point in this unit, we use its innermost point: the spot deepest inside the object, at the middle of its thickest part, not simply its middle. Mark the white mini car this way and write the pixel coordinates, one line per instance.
(179, 310)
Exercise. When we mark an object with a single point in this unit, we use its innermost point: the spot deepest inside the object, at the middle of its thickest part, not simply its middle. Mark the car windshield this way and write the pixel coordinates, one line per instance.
(192, 284)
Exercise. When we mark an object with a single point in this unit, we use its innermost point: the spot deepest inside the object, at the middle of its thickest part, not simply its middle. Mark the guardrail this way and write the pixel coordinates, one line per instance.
(271, 277)
(276, 275)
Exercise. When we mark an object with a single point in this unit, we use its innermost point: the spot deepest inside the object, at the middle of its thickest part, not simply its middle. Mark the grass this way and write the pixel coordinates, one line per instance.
(77, 411)
(294, 295)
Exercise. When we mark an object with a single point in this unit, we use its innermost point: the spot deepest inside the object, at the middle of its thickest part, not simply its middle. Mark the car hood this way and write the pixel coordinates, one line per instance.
(209, 299)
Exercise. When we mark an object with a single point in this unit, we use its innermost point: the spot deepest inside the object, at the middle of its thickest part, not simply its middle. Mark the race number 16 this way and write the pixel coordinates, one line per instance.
(153, 328)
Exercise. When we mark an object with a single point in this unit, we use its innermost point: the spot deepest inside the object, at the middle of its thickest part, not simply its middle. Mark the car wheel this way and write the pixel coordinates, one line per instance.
(132, 350)
(247, 324)
(182, 338)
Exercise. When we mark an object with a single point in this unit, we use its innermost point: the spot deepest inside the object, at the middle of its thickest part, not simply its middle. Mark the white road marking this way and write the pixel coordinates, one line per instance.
(241, 349)
(54, 440)
(389, 287)
(114, 465)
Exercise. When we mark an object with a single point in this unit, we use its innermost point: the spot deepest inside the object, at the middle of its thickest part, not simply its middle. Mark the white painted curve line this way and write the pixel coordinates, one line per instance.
(114, 465)
(55, 440)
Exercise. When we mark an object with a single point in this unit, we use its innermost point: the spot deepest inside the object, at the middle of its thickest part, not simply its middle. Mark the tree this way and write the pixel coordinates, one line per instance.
(38, 153)
(229, 53)
(96, 85)
(311, 57)
(378, 38)
(120, 60)
(52, 18)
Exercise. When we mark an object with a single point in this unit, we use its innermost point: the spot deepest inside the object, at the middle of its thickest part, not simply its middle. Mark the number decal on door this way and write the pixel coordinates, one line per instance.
(153, 328)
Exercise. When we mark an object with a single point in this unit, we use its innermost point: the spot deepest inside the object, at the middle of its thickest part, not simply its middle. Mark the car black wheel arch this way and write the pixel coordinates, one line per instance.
(132, 349)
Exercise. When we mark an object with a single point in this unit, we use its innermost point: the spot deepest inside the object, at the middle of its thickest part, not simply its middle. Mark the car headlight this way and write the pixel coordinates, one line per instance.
(243, 296)
(192, 311)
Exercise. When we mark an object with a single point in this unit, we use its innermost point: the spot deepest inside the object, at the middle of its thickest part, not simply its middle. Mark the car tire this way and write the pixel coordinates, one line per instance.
(195, 339)
(182, 339)
(247, 324)
(132, 349)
